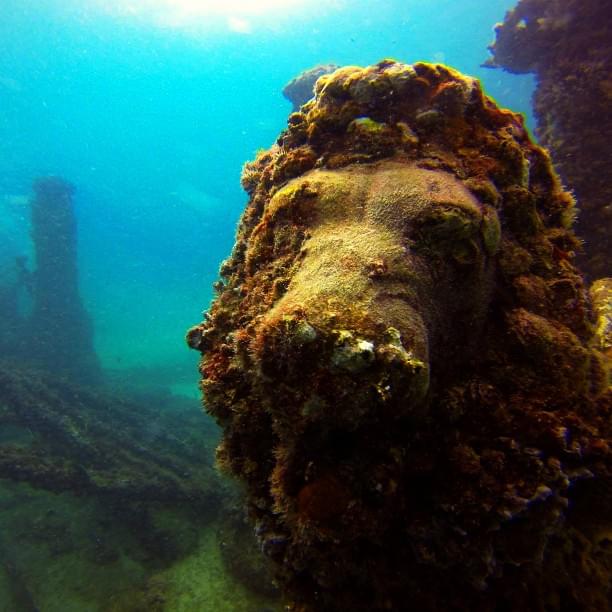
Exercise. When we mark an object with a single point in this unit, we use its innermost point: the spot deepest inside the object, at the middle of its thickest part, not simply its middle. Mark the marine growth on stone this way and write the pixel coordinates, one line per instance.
(405, 362)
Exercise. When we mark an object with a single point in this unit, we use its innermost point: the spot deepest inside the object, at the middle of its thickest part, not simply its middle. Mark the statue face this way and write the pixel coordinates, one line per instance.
(394, 268)
(406, 407)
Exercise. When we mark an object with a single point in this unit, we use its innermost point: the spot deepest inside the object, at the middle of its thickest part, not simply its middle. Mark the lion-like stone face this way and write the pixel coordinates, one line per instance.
(394, 270)
(400, 355)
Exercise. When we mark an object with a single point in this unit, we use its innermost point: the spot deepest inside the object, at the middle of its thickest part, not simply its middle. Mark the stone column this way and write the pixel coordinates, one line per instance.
(61, 333)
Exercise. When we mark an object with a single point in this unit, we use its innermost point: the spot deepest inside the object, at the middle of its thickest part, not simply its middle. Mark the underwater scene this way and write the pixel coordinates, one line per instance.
(305, 305)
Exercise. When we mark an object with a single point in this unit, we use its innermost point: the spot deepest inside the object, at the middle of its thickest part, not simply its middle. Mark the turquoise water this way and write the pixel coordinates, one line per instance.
(150, 108)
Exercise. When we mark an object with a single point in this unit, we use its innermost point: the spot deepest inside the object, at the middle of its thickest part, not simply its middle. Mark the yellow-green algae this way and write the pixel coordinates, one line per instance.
(601, 292)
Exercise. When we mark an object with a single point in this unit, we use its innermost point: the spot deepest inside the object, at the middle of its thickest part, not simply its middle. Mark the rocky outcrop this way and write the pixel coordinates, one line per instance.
(567, 44)
(301, 89)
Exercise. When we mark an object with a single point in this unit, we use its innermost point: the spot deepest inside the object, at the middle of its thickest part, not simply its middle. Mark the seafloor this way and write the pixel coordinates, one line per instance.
(88, 524)
(61, 553)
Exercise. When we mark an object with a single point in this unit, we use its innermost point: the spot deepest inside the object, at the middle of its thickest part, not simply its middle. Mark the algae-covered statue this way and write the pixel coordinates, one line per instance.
(405, 362)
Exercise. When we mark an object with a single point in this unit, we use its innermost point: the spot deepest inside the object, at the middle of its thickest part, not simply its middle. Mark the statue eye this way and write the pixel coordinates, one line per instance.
(446, 233)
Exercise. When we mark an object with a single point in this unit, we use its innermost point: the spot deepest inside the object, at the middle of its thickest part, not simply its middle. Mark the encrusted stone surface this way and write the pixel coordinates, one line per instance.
(567, 44)
(405, 361)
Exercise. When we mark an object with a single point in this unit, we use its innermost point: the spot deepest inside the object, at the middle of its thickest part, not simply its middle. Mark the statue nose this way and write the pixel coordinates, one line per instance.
(338, 373)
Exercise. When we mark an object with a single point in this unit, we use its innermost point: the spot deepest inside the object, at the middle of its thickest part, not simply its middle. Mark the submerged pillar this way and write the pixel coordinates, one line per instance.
(61, 333)
(14, 282)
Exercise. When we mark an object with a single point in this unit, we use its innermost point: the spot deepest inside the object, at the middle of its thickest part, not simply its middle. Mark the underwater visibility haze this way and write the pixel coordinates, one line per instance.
(338, 408)
(150, 109)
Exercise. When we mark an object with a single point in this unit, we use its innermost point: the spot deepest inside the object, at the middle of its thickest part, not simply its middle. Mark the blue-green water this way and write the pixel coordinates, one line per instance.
(150, 108)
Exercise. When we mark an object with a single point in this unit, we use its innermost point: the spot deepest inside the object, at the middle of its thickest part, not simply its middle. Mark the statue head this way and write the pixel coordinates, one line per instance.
(400, 351)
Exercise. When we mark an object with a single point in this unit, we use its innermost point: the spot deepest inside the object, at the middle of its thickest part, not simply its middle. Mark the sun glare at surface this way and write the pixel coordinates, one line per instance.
(241, 7)
(235, 15)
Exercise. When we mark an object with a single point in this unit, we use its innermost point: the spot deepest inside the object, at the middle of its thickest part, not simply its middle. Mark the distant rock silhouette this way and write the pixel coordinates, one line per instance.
(301, 89)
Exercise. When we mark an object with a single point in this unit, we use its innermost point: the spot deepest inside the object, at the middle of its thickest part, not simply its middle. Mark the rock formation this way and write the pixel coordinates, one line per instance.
(405, 361)
(567, 44)
(122, 487)
(301, 89)
(62, 437)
